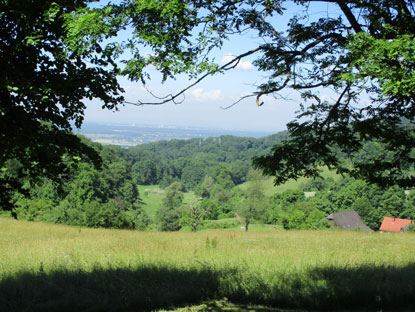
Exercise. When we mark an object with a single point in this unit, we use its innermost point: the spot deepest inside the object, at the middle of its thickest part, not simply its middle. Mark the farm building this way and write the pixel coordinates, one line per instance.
(394, 224)
(348, 220)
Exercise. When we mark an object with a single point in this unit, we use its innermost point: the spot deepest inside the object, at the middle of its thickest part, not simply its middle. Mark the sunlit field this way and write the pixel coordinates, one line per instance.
(269, 189)
(46, 267)
(152, 198)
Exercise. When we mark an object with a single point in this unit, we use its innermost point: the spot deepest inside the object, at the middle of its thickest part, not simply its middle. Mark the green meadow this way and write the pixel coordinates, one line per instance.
(152, 198)
(269, 189)
(46, 267)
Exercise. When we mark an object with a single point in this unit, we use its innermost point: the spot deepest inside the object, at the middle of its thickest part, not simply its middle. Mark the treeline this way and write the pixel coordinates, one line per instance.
(227, 158)
(212, 169)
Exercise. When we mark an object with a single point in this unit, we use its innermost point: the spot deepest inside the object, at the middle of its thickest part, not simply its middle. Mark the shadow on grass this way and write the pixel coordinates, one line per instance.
(367, 287)
(150, 288)
(141, 289)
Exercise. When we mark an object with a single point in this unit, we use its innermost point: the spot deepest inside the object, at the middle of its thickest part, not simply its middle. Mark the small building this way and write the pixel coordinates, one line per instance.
(390, 224)
(348, 220)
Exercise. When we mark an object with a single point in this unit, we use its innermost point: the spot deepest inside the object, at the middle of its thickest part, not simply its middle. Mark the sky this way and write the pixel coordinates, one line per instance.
(203, 104)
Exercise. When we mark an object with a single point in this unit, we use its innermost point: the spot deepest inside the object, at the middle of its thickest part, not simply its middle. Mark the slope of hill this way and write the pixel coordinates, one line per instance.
(47, 267)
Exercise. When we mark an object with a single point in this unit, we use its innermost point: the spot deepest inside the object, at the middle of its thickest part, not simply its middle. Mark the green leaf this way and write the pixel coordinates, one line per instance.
(12, 89)
(53, 11)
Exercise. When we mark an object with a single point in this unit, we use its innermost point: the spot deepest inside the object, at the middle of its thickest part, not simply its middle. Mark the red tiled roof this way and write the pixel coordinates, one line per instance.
(393, 224)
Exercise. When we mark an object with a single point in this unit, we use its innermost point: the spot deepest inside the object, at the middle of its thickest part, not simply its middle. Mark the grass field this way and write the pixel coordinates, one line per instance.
(269, 189)
(152, 197)
(47, 267)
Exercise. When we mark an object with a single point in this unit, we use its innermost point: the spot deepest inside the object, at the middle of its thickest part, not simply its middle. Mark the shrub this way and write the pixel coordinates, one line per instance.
(295, 219)
(169, 219)
(34, 209)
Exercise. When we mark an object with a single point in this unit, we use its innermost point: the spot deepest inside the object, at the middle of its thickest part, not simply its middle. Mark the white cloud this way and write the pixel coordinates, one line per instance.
(242, 65)
(204, 96)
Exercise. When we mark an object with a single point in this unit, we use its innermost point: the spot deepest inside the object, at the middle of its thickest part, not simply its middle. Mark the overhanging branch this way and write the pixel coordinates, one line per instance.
(172, 98)
(288, 56)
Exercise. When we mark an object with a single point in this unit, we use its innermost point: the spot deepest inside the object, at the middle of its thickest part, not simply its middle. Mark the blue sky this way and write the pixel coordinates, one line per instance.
(202, 105)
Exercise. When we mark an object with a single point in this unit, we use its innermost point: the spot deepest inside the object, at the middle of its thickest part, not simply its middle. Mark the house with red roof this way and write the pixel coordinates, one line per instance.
(390, 224)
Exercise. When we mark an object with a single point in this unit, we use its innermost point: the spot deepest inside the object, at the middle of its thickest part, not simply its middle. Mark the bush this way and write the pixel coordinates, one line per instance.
(295, 219)
(139, 219)
(410, 228)
(317, 220)
(169, 219)
(106, 215)
(34, 209)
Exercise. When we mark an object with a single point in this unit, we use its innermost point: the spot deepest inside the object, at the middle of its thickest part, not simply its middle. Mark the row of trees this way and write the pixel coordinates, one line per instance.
(214, 203)
(293, 210)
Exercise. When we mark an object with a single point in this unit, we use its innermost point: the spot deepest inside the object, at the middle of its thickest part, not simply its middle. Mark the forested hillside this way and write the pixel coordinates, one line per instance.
(189, 161)
(194, 184)
(108, 197)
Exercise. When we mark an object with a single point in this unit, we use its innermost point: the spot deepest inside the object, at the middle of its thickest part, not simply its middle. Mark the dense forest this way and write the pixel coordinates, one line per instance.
(219, 174)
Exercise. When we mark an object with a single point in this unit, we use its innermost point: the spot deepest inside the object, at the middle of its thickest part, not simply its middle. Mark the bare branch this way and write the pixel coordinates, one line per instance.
(233, 64)
(239, 100)
(332, 111)
(172, 98)
(350, 17)
(311, 86)
(260, 94)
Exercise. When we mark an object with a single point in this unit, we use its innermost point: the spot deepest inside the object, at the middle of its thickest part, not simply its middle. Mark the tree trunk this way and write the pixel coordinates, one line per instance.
(246, 225)
(195, 224)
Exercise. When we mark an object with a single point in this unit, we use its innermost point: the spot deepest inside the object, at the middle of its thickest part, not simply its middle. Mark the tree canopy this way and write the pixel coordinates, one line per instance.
(43, 87)
(362, 50)
(56, 54)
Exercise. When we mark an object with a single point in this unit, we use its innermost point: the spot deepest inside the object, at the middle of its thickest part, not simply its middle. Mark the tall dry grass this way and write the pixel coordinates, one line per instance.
(51, 267)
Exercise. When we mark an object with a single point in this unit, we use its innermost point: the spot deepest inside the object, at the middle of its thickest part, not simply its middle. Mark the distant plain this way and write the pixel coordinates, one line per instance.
(127, 135)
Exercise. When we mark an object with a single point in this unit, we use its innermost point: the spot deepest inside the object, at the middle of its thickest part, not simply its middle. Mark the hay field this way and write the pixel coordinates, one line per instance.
(47, 267)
